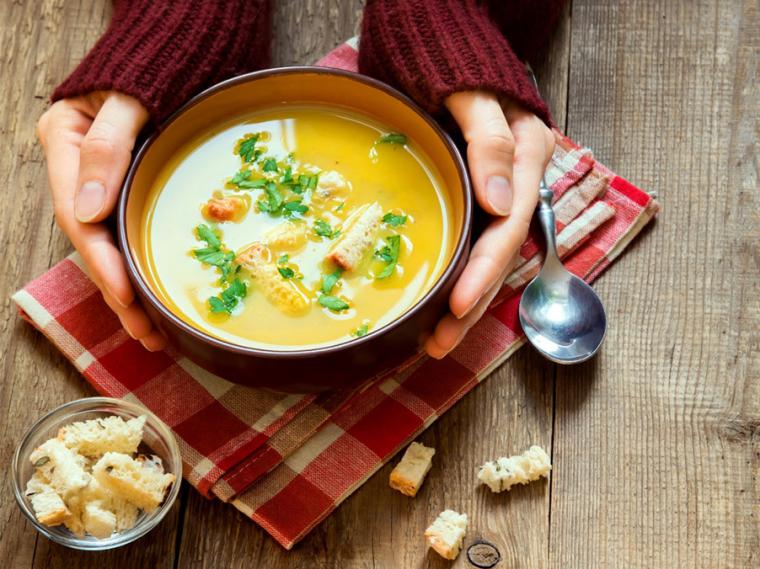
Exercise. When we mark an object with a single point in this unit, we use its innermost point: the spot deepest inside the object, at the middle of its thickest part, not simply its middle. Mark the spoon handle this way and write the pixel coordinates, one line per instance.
(546, 217)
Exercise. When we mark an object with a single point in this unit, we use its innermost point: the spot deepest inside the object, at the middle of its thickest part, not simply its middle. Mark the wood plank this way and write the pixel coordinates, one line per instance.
(656, 444)
(39, 42)
(376, 526)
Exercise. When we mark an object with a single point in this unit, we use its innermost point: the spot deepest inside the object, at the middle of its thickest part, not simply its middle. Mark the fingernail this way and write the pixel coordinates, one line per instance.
(114, 296)
(499, 194)
(467, 310)
(91, 199)
(128, 331)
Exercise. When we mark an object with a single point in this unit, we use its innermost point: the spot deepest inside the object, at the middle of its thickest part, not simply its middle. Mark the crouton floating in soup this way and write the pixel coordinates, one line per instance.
(288, 236)
(221, 209)
(275, 283)
(328, 226)
(349, 250)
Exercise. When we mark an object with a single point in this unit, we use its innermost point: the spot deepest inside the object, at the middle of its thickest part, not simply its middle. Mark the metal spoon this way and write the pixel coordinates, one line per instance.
(561, 315)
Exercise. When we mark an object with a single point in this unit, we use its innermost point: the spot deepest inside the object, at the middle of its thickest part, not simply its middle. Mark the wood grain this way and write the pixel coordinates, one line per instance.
(39, 42)
(656, 444)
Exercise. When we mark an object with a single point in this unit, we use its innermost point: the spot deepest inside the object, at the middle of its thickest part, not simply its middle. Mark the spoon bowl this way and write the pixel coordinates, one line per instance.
(562, 316)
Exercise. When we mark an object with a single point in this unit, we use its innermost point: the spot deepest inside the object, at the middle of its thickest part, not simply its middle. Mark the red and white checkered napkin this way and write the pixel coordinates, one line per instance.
(287, 461)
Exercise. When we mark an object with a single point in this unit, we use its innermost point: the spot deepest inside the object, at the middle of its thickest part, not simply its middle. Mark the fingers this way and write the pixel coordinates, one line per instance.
(526, 150)
(62, 130)
(497, 248)
(106, 265)
(137, 325)
(534, 148)
(490, 147)
(451, 330)
(105, 154)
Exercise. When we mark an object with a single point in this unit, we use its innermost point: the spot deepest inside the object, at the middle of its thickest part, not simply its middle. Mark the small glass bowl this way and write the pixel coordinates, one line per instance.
(157, 437)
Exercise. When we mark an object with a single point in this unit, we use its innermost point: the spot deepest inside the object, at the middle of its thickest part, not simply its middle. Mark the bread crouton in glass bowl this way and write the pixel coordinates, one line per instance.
(101, 484)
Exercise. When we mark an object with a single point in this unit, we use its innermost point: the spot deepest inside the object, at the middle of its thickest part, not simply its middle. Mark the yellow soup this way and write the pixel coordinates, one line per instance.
(298, 227)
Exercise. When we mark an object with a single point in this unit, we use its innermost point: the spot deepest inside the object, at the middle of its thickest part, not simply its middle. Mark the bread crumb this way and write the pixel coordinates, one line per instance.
(446, 533)
(349, 250)
(69, 488)
(409, 474)
(142, 484)
(106, 434)
(503, 473)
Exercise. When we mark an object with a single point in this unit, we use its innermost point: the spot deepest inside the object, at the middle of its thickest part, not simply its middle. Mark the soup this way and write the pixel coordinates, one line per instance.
(296, 228)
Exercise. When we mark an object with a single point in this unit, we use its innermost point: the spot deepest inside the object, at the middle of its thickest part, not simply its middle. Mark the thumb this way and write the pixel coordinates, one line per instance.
(490, 147)
(105, 154)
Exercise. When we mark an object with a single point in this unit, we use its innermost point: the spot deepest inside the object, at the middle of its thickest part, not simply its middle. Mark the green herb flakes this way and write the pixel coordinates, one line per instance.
(324, 229)
(229, 297)
(273, 201)
(329, 281)
(240, 176)
(295, 206)
(247, 148)
(213, 256)
(205, 233)
(392, 138)
(286, 272)
(389, 254)
(394, 220)
(270, 165)
(333, 303)
(283, 260)
(360, 331)
(252, 184)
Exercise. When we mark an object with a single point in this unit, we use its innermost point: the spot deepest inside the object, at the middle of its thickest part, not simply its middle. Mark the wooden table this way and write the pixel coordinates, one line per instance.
(655, 443)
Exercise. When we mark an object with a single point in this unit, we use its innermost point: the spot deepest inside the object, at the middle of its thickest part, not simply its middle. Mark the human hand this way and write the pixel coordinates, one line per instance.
(508, 149)
(88, 144)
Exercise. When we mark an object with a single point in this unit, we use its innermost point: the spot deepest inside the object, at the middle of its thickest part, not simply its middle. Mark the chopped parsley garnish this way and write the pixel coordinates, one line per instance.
(229, 297)
(283, 259)
(392, 138)
(389, 254)
(287, 176)
(247, 148)
(340, 206)
(308, 181)
(273, 201)
(205, 233)
(286, 272)
(270, 165)
(295, 206)
(329, 281)
(213, 256)
(394, 220)
(240, 176)
(361, 331)
(333, 303)
(324, 229)
(252, 184)
(216, 255)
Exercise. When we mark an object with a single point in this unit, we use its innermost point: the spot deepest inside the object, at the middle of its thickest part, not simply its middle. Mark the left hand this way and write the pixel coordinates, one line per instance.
(508, 149)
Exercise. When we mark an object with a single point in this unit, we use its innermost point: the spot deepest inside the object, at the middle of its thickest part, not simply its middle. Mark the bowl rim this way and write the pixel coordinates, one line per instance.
(120, 538)
(145, 290)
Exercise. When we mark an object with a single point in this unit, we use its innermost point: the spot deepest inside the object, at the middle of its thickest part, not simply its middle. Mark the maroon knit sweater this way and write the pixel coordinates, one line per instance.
(164, 51)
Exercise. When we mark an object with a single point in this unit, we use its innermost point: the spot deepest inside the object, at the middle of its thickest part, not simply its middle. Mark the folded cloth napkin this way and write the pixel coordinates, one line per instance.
(287, 461)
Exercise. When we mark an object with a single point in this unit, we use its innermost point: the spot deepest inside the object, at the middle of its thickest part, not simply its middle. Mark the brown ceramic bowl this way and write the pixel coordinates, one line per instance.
(314, 369)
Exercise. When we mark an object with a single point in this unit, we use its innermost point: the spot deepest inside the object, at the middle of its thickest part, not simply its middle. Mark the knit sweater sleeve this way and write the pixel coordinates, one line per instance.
(430, 49)
(162, 52)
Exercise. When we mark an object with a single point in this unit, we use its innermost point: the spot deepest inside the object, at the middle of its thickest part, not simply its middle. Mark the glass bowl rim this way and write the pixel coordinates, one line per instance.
(120, 538)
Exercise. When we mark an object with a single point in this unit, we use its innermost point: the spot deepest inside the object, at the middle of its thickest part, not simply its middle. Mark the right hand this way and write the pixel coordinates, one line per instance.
(88, 144)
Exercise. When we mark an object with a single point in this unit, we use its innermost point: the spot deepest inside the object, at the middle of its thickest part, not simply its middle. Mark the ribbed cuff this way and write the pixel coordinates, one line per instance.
(162, 52)
(430, 49)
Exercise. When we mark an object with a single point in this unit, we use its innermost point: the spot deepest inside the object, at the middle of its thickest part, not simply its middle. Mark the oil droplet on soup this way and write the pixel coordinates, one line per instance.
(296, 228)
